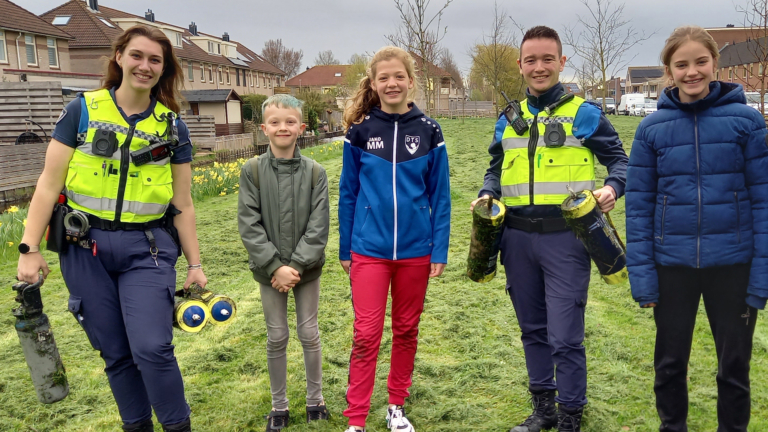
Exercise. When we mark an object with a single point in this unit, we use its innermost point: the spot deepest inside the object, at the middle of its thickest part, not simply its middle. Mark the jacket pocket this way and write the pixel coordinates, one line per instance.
(75, 307)
(738, 217)
(663, 219)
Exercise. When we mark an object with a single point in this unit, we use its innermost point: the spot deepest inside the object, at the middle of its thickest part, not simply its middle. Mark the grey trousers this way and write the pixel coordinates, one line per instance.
(275, 306)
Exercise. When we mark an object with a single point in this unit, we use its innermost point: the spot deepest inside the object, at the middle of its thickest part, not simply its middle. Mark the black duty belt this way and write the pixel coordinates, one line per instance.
(535, 225)
(106, 225)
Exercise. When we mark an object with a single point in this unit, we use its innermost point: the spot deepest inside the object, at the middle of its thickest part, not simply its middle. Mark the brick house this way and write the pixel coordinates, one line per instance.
(730, 34)
(321, 79)
(647, 80)
(616, 87)
(209, 62)
(744, 63)
(31, 49)
(441, 84)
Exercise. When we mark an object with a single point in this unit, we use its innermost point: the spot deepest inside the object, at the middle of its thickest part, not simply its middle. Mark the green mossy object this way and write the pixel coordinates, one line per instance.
(484, 244)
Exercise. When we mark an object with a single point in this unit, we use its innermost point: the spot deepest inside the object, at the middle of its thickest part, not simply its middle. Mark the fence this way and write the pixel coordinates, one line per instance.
(20, 166)
(258, 149)
(226, 142)
(40, 101)
(468, 109)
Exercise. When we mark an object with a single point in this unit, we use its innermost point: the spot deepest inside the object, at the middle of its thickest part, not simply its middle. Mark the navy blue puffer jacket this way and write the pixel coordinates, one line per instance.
(697, 190)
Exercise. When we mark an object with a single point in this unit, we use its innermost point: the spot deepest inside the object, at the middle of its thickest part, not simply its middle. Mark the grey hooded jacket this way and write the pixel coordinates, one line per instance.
(285, 220)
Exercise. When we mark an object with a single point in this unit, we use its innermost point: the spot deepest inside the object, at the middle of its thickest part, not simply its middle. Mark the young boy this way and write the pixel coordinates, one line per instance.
(283, 220)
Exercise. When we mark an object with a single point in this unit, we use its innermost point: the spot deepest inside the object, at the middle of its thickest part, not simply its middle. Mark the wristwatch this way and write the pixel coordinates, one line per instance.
(25, 248)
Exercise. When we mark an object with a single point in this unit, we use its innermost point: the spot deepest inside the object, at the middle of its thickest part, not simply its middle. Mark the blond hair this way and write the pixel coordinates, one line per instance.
(366, 97)
(680, 36)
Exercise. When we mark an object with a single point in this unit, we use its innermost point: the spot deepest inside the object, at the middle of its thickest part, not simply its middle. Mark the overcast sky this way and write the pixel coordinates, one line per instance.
(356, 26)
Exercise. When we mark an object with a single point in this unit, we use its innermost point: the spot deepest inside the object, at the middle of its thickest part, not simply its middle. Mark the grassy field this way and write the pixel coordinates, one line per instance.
(470, 372)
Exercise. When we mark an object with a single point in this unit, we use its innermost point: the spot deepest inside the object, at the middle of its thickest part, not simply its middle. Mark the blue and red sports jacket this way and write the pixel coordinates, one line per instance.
(394, 192)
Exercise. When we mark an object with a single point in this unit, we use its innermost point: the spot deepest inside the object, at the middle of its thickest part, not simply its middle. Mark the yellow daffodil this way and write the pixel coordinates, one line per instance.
(10, 243)
(222, 193)
(13, 209)
(25, 222)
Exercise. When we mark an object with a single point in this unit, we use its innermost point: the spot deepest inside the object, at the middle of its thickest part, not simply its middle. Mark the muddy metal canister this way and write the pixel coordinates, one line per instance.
(38, 345)
(596, 231)
(487, 224)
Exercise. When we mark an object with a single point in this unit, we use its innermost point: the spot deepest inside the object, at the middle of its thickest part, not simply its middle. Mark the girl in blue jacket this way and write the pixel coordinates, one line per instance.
(697, 225)
(394, 222)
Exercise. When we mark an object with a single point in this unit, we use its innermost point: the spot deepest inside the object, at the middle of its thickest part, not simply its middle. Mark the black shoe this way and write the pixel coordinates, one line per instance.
(277, 420)
(317, 412)
(569, 419)
(185, 426)
(145, 426)
(544, 414)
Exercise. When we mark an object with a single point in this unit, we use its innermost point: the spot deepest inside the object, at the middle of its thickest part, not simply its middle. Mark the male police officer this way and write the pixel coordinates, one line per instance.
(547, 266)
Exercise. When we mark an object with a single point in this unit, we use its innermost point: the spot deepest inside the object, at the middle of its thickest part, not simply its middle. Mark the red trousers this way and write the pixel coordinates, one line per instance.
(371, 279)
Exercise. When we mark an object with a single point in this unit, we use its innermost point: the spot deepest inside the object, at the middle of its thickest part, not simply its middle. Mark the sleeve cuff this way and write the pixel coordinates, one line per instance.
(644, 302)
(345, 256)
(299, 267)
(756, 302)
(272, 266)
(617, 187)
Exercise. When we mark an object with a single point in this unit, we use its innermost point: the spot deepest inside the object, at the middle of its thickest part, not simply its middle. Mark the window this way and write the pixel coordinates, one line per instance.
(178, 39)
(202, 72)
(250, 76)
(218, 48)
(214, 48)
(760, 69)
(264, 80)
(717, 76)
(210, 73)
(61, 19)
(653, 89)
(730, 74)
(221, 77)
(257, 79)
(29, 42)
(751, 70)
(53, 53)
(237, 77)
(106, 23)
(190, 70)
(3, 57)
(744, 73)
(227, 73)
(210, 47)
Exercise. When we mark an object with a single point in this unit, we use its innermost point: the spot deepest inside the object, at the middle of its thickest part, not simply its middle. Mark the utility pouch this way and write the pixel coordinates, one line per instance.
(152, 153)
(554, 135)
(55, 238)
(104, 143)
(170, 228)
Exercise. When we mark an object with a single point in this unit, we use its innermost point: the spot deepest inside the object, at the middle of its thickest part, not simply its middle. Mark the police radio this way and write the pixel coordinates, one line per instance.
(162, 149)
(514, 114)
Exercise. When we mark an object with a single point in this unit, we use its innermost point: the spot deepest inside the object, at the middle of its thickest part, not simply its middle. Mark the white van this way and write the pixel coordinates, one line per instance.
(627, 101)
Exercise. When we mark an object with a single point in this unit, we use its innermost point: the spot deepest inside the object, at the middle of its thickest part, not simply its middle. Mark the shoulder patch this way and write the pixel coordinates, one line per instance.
(62, 115)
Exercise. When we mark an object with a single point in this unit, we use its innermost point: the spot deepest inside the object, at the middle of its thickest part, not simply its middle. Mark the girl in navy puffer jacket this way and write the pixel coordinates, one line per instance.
(697, 225)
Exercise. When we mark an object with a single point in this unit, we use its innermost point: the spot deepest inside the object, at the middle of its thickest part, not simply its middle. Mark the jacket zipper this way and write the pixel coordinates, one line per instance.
(738, 216)
(663, 218)
(394, 188)
(124, 162)
(532, 154)
(698, 187)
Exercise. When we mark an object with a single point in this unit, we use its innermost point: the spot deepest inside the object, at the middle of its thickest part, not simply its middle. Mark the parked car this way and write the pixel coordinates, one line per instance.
(647, 108)
(753, 100)
(610, 104)
(634, 109)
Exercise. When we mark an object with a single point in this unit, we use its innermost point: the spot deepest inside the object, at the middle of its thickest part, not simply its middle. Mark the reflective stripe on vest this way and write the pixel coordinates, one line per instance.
(112, 187)
(553, 169)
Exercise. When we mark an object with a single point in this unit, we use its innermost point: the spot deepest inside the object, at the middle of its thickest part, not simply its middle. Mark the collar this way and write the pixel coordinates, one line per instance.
(136, 117)
(715, 93)
(548, 97)
(274, 161)
(413, 112)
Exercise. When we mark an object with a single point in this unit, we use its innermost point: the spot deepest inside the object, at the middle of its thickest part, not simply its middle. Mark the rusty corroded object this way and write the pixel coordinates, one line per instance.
(487, 224)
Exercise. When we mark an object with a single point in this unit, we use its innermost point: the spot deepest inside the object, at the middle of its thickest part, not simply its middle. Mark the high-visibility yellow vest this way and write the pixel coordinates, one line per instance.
(540, 175)
(113, 188)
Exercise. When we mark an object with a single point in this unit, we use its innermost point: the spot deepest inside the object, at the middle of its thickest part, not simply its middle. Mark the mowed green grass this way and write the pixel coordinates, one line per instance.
(470, 372)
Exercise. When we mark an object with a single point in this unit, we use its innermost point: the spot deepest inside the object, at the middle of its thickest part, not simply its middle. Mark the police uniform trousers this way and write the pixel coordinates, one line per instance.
(124, 302)
(547, 280)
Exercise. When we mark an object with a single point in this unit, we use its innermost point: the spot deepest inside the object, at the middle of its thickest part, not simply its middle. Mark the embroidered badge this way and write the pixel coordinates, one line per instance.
(62, 115)
(412, 143)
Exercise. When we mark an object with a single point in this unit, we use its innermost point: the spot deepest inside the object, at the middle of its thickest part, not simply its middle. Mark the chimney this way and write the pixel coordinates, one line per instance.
(729, 26)
(149, 15)
(94, 5)
(193, 28)
(225, 38)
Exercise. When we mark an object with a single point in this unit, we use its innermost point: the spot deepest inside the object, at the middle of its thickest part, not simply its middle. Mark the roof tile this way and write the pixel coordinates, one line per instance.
(15, 17)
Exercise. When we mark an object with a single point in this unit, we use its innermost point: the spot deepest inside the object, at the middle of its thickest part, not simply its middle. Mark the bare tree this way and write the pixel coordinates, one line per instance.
(325, 58)
(755, 18)
(421, 32)
(448, 64)
(494, 59)
(285, 59)
(587, 76)
(606, 39)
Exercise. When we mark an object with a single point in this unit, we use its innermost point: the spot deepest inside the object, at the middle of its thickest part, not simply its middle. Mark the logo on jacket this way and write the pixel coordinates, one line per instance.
(412, 143)
(375, 143)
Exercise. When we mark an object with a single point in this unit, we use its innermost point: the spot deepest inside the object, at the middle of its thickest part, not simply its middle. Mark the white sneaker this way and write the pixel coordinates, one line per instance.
(352, 429)
(396, 421)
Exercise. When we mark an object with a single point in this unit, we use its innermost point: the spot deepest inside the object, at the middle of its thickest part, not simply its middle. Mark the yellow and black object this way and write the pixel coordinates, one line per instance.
(198, 306)
(36, 337)
(598, 234)
(487, 224)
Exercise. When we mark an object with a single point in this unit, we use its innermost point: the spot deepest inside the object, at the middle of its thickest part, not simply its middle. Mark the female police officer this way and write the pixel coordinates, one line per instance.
(121, 276)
